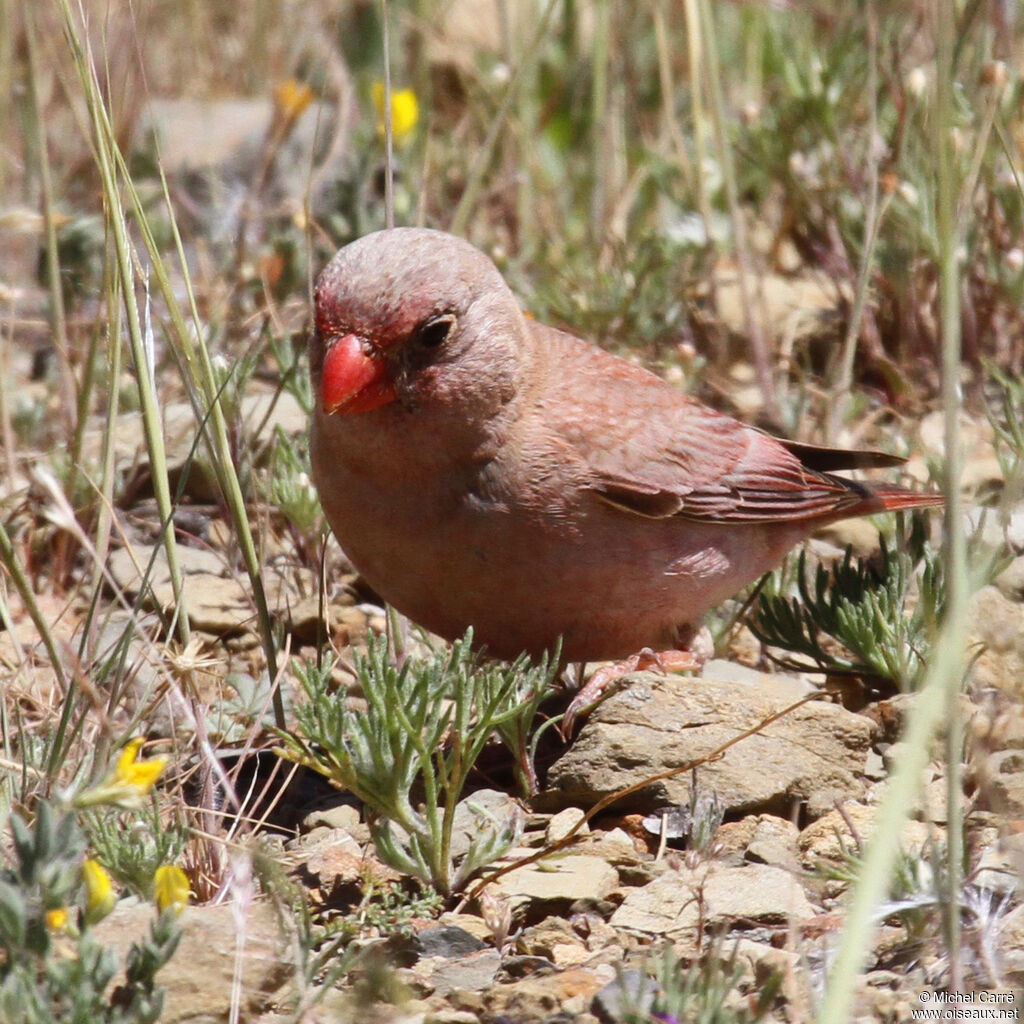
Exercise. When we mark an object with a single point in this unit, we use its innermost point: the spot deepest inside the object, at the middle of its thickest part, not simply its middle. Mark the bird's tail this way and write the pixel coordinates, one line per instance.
(888, 499)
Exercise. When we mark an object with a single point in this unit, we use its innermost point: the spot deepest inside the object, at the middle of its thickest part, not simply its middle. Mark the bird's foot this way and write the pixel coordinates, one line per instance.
(596, 688)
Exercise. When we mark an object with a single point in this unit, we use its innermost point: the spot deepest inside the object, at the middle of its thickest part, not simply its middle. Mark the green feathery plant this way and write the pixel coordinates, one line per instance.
(409, 754)
(883, 613)
(1006, 414)
(705, 990)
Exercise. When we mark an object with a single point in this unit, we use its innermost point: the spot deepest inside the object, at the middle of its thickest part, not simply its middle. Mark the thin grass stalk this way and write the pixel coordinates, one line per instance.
(955, 540)
(670, 128)
(7, 443)
(201, 376)
(695, 65)
(104, 516)
(389, 138)
(23, 585)
(938, 698)
(993, 98)
(522, 166)
(902, 793)
(474, 180)
(8, 66)
(599, 135)
(9, 625)
(105, 150)
(58, 314)
(874, 215)
(213, 424)
(108, 467)
(713, 80)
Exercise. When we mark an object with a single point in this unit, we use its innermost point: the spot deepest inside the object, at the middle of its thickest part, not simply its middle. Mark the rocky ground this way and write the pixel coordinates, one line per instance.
(748, 856)
(745, 860)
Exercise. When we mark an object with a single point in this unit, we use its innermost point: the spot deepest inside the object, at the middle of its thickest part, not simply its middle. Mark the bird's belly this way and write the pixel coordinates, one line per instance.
(604, 582)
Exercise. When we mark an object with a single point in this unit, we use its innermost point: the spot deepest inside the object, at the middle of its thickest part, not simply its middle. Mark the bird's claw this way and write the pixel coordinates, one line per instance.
(599, 685)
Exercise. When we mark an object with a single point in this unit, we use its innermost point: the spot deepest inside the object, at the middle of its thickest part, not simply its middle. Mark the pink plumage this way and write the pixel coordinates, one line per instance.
(480, 469)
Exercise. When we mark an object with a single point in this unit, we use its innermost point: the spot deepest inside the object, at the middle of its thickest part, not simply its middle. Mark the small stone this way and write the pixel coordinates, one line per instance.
(343, 816)
(474, 972)
(476, 926)
(448, 940)
(488, 809)
(614, 846)
(774, 842)
(859, 534)
(1011, 938)
(562, 823)
(1004, 777)
(1001, 865)
(997, 623)
(632, 990)
(559, 880)
(559, 996)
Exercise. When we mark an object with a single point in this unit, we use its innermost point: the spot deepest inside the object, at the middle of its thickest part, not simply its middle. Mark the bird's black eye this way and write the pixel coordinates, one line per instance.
(433, 333)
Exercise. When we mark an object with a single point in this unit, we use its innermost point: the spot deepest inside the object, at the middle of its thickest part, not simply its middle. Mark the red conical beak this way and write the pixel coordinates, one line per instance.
(354, 377)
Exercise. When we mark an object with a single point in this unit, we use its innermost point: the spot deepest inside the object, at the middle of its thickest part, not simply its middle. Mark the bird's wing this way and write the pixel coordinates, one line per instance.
(652, 451)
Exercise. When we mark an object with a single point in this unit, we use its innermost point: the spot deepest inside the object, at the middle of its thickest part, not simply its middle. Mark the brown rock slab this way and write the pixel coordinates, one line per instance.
(774, 842)
(997, 623)
(1004, 782)
(716, 895)
(216, 603)
(473, 972)
(831, 837)
(813, 755)
(559, 879)
(566, 993)
(198, 981)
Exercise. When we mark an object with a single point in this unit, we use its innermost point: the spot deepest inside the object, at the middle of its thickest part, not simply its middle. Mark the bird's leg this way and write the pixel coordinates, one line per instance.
(695, 647)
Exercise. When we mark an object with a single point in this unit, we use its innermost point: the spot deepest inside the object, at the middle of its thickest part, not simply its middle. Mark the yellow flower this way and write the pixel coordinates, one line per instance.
(56, 919)
(405, 111)
(171, 889)
(140, 775)
(129, 783)
(291, 98)
(99, 892)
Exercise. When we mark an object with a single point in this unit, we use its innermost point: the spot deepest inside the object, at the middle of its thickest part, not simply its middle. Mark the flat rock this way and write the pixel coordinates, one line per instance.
(813, 755)
(219, 940)
(559, 879)
(1004, 778)
(774, 842)
(218, 597)
(671, 905)
(472, 972)
(997, 623)
(837, 834)
(561, 996)
(216, 603)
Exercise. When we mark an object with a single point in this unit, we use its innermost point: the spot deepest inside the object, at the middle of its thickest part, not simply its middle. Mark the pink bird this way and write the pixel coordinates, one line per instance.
(481, 469)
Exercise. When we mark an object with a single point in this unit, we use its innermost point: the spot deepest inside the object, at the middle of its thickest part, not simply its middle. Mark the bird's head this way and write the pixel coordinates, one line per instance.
(414, 316)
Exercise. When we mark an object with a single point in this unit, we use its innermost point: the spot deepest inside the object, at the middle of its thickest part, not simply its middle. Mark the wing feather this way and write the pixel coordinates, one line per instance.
(663, 454)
